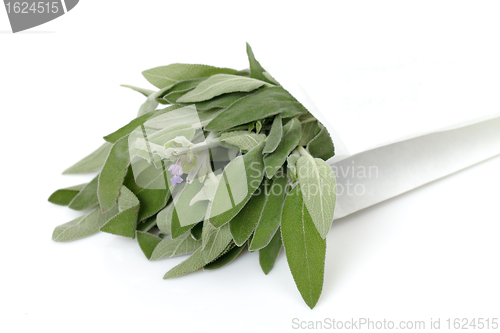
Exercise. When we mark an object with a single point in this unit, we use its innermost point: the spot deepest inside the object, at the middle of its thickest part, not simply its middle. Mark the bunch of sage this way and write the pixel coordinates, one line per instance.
(232, 161)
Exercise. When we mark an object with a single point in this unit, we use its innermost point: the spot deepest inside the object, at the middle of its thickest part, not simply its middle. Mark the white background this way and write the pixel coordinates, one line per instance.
(430, 253)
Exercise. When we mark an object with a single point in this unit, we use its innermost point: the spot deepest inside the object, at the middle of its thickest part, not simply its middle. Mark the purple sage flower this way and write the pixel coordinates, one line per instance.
(176, 172)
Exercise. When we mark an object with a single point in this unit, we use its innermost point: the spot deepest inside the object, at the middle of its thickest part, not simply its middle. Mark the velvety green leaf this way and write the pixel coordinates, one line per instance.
(197, 230)
(222, 101)
(275, 135)
(256, 70)
(241, 177)
(180, 88)
(264, 103)
(91, 162)
(130, 127)
(217, 243)
(191, 264)
(317, 182)
(291, 137)
(64, 196)
(83, 226)
(125, 222)
(270, 219)
(169, 247)
(147, 242)
(113, 173)
(145, 92)
(146, 224)
(244, 223)
(243, 140)
(269, 254)
(164, 219)
(87, 197)
(185, 216)
(225, 259)
(291, 164)
(152, 198)
(220, 84)
(321, 146)
(305, 249)
(309, 131)
(165, 76)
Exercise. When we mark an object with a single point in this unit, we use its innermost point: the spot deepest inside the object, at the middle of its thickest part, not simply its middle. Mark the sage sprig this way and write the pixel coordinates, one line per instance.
(232, 162)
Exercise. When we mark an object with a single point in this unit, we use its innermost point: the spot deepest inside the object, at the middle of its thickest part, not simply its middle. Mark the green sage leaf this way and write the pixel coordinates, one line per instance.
(154, 191)
(240, 178)
(305, 249)
(243, 140)
(275, 135)
(269, 254)
(165, 76)
(222, 101)
(217, 243)
(169, 247)
(321, 146)
(164, 219)
(147, 242)
(225, 259)
(145, 92)
(87, 197)
(264, 103)
(125, 222)
(256, 70)
(64, 196)
(270, 219)
(309, 131)
(113, 173)
(83, 226)
(219, 84)
(317, 182)
(244, 223)
(91, 162)
(291, 137)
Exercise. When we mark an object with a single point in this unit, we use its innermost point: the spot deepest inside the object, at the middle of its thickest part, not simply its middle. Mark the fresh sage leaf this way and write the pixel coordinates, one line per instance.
(216, 245)
(256, 70)
(164, 219)
(185, 215)
(125, 222)
(304, 247)
(264, 103)
(91, 162)
(219, 84)
(275, 135)
(83, 226)
(270, 218)
(130, 127)
(243, 140)
(225, 259)
(196, 231)
(241, 177)
(169, 247)
(291, 137)
(244, 223)
(64, 196)
(321, 146)
(87, 197)
(308, 132)
(152, 198)
(145, 92)
(222, 101)
(147, 242)
(269, 254)
(317, 182)
(113, 173)
(165, 76)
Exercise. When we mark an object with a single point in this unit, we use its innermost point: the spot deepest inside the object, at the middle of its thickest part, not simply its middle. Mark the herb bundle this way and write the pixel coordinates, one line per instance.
(232, 161)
